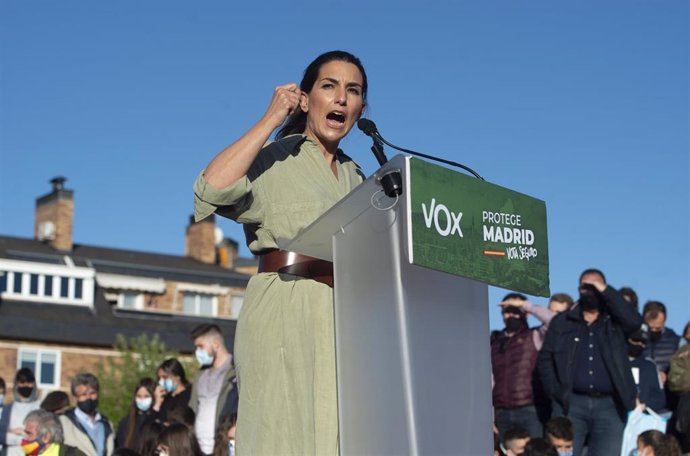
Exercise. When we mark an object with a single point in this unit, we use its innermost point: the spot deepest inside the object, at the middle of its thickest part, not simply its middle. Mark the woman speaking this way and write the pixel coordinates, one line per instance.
(285, 341)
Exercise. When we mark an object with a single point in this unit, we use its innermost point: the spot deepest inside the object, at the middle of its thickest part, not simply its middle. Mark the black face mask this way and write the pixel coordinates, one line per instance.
(655, 336)
(635, 350)
(25, 391)
(88, 406)
(590, 298)
(514, 324)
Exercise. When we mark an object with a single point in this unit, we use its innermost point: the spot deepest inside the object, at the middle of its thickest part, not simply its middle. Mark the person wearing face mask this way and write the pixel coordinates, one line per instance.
(663, 341)
(84, 427)
(25, 395)
(513, 359)
(172, 390)
(514, 440)
(650, 393)
(584, 365)
(43, 436)
(213, 384)
(140, 410)
(560, 434)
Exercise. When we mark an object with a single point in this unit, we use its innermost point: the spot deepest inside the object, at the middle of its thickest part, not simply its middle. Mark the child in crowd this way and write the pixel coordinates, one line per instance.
(560, 433)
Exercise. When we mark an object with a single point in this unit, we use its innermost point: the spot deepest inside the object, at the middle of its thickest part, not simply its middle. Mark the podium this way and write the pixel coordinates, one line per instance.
(412, 343)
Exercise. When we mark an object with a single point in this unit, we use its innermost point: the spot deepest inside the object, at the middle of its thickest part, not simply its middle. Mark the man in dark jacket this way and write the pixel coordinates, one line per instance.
(645, 373)
(663, 341)
(584, 365)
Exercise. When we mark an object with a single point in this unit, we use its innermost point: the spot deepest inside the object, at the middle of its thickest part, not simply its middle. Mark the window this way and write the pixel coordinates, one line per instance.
(130, 300)
(48, 287)
(199, 304)
(45, 365)
(236, 303)
(78, 287)
(64, 287)
(33, 284)
(25, 281)
(17, 282)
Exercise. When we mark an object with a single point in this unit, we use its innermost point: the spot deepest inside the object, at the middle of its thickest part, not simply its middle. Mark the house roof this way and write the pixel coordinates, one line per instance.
(126, 262)
(75, 325)
(98, 326)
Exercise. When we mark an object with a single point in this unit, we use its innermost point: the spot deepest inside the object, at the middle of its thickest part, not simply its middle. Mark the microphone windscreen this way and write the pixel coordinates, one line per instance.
(367, 126)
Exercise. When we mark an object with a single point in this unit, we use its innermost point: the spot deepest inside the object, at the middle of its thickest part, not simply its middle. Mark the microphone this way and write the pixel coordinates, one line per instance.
(392, 180)
(368, 127)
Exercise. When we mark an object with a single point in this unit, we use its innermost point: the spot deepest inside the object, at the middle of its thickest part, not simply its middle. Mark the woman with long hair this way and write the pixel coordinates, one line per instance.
(128, 431)
(285, 342)
(148, 438)
(172, 390)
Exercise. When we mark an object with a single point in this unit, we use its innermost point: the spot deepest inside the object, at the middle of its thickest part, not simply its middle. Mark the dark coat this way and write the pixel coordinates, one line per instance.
(662, 350)
(649, 388)
(555, 362)
(121, 435)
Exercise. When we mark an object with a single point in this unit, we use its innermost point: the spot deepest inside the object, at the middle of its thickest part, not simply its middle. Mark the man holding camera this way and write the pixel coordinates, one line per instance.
(584, 365)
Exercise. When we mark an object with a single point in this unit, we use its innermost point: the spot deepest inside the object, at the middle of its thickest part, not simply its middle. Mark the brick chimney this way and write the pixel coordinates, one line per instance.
(201, 239)
(54, 216)
(228, 251)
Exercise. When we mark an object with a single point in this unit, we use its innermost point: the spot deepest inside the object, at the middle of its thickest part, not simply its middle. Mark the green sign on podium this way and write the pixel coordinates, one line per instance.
(468, 227)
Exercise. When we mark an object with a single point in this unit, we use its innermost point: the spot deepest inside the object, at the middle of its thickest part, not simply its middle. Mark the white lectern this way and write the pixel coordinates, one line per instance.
(412, 344)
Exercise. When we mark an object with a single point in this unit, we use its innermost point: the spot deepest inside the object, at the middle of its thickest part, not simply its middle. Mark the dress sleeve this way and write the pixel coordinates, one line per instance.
(236, 201)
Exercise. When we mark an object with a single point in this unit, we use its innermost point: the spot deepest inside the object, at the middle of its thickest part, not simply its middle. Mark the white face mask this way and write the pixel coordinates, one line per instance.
(203, 357)
(163, 453)
(144, 404)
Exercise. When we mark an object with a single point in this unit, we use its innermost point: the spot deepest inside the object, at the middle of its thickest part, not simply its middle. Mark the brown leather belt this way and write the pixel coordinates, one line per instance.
(300, 265)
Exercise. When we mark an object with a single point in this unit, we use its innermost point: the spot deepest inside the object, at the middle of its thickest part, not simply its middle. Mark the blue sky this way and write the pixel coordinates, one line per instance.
(582, 104)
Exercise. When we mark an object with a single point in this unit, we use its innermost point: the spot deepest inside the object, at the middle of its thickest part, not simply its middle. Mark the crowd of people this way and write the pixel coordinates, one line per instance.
(568, 386)
(168, 415)
(563, 388)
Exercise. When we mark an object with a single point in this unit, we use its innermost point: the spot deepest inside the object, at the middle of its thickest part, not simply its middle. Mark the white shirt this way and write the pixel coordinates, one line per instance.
(208, 389)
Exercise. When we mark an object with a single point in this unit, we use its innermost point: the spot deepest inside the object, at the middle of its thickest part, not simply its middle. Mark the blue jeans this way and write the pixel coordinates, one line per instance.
(598, 419)
(525, 417)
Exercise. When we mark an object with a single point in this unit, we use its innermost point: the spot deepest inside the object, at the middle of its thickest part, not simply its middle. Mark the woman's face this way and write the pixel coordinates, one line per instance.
(334, 104)
(142, 393)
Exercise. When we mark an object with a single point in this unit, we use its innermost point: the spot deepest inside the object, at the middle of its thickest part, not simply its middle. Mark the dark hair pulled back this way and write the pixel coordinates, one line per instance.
(297, 121)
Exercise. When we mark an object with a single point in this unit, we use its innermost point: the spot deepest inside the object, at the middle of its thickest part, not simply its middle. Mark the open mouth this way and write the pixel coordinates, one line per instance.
(336, 117)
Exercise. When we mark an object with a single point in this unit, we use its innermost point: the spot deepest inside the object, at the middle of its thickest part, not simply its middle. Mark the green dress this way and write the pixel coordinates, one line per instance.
(285, 342)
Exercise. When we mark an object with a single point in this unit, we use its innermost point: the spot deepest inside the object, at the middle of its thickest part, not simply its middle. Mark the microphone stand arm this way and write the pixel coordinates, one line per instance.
(377, 136)
(392, 180)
